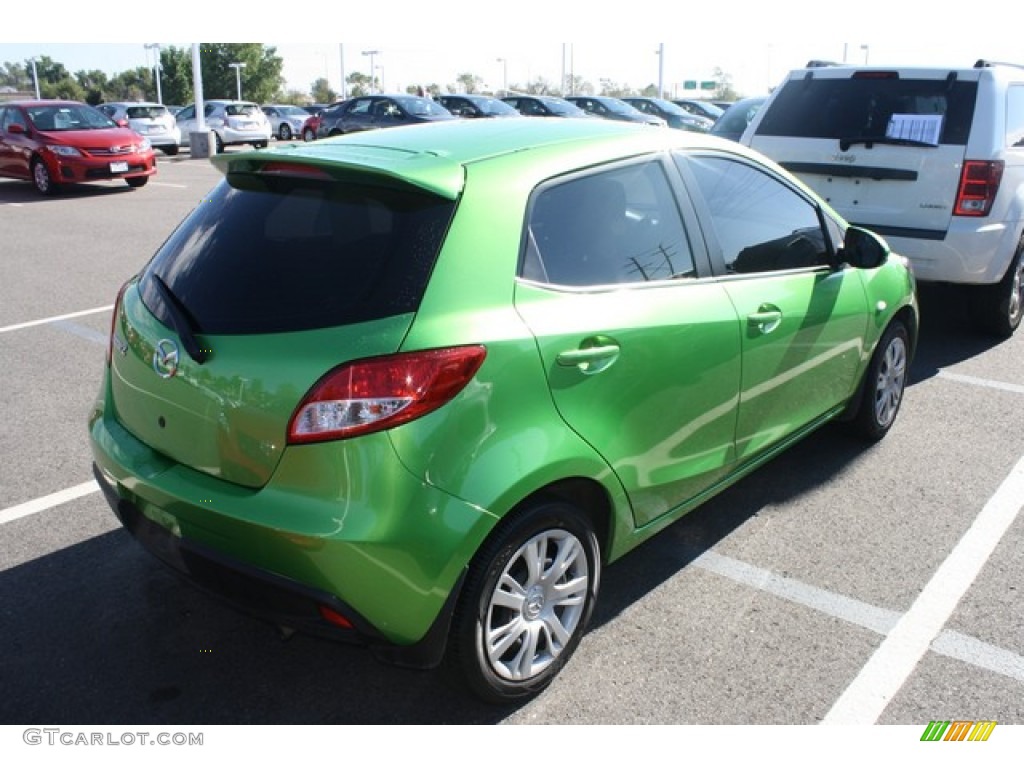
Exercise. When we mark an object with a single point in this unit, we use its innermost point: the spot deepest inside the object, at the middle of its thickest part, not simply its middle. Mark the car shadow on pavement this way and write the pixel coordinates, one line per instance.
(946, 336)
(102, 633)
(809, 464)
(22, 192)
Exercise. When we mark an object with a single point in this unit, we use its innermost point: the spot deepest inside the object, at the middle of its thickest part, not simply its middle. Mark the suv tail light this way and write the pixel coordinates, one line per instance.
(382, 392)
(979, 182)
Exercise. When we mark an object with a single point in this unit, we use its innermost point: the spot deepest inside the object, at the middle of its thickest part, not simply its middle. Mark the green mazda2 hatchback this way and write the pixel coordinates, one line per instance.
(414, 388)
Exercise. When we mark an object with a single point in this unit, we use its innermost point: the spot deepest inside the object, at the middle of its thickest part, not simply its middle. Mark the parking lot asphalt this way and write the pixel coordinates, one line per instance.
(840, 583)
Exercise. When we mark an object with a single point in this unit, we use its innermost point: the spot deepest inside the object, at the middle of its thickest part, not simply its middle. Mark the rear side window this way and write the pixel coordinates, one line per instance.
(1015, 116)
(613, 227)
(863, 107)
(277, 254)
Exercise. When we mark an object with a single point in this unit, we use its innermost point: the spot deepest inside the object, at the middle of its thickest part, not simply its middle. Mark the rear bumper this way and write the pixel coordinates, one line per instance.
(973, 251)
(381, 548)
(268, 595)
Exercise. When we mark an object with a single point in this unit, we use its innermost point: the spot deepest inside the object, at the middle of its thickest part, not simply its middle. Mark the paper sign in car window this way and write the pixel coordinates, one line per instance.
(923, 128)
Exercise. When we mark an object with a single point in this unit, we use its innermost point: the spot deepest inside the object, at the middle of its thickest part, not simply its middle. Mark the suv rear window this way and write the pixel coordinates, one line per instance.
(278, 254)
(862, 107)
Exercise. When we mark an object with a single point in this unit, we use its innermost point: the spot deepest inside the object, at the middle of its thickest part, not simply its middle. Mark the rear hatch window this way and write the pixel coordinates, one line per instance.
(266, 286)
(883, 150)
(280, 254)
(151, 113)
(861, 107)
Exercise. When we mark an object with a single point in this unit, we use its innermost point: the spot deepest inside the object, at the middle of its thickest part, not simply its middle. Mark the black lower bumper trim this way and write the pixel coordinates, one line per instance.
(270, 596)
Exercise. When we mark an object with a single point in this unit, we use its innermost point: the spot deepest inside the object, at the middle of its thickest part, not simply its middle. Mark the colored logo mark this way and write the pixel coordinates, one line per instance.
(958, 730)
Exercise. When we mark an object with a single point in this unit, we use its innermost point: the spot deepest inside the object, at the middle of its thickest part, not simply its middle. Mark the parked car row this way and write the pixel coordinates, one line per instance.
(389, 110)
(234, 122)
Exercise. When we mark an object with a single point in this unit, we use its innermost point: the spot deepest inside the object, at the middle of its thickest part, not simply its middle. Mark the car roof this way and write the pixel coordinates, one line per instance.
(43, 103)
(433, 157)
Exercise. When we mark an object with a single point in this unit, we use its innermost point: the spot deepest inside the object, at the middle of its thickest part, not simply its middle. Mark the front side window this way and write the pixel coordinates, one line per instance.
(761, 224)
(614, 227)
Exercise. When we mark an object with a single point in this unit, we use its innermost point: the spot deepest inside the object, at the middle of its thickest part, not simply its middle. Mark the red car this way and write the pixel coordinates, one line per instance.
(53, 143)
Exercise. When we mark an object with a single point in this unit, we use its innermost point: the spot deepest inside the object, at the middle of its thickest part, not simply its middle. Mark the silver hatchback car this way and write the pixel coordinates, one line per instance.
(148, 119)
(232, 122)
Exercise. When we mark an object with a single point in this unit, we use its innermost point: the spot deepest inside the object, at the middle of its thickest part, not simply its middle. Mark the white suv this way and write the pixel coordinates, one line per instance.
(930, 158)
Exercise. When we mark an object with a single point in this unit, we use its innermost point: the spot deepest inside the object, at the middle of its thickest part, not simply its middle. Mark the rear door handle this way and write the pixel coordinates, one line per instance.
(767, 318)
(590, 359)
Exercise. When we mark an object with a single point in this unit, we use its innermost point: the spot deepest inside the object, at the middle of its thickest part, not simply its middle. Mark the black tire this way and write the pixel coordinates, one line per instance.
(218, 143)
(997, 309)
(260, 144)
(42, 180)
(512, 631)
(308, 134)
(137, 181)
(284, 133)
(170, 150)
(884, 384)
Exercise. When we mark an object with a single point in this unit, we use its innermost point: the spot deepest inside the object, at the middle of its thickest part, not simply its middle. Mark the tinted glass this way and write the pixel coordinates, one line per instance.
(619, 226)
(241, 109)
(266, 255)
(151, 112)
(843, 108)
(68, 117)
(761, 224)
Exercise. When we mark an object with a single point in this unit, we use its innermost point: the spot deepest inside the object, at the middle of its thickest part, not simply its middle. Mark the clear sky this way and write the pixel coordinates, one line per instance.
(434, 42)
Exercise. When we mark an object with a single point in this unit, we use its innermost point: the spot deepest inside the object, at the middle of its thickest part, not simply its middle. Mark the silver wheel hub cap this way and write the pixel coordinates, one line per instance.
(537, 605)
(891, 378)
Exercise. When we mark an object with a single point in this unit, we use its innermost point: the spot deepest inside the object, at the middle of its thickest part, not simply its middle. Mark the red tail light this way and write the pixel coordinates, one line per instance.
(979, 182)
(113, 323)
(382, 392)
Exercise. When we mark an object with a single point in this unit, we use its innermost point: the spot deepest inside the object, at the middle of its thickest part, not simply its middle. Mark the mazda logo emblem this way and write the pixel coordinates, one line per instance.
(165, 359)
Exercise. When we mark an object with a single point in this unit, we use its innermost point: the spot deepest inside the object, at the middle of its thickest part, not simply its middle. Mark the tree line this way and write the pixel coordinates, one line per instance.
(261, 80)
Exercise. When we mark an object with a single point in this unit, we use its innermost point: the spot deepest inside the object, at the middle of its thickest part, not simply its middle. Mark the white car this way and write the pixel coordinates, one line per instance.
(930, 158)
(286, 121)
(232, 122)
(148, 119)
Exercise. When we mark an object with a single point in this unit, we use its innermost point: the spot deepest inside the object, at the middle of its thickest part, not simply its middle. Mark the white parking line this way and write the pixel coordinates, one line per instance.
(1016, 388)
(898, 655)
(47, 502)
(55, 318)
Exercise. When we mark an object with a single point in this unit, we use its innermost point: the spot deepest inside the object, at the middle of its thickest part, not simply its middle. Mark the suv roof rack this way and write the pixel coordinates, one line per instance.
(821, 63)
(985, 63)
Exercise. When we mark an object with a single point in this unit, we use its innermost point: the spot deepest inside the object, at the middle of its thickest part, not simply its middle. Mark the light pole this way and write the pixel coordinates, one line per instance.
(35, 77)
(156, 70)
(865, 49)
(504, 76)
(661, 69)
(371, 54)
(238, 66)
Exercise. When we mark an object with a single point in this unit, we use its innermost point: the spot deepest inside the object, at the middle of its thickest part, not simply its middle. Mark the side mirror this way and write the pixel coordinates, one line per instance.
(16, 128)
(863, 249)
(123, 123)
